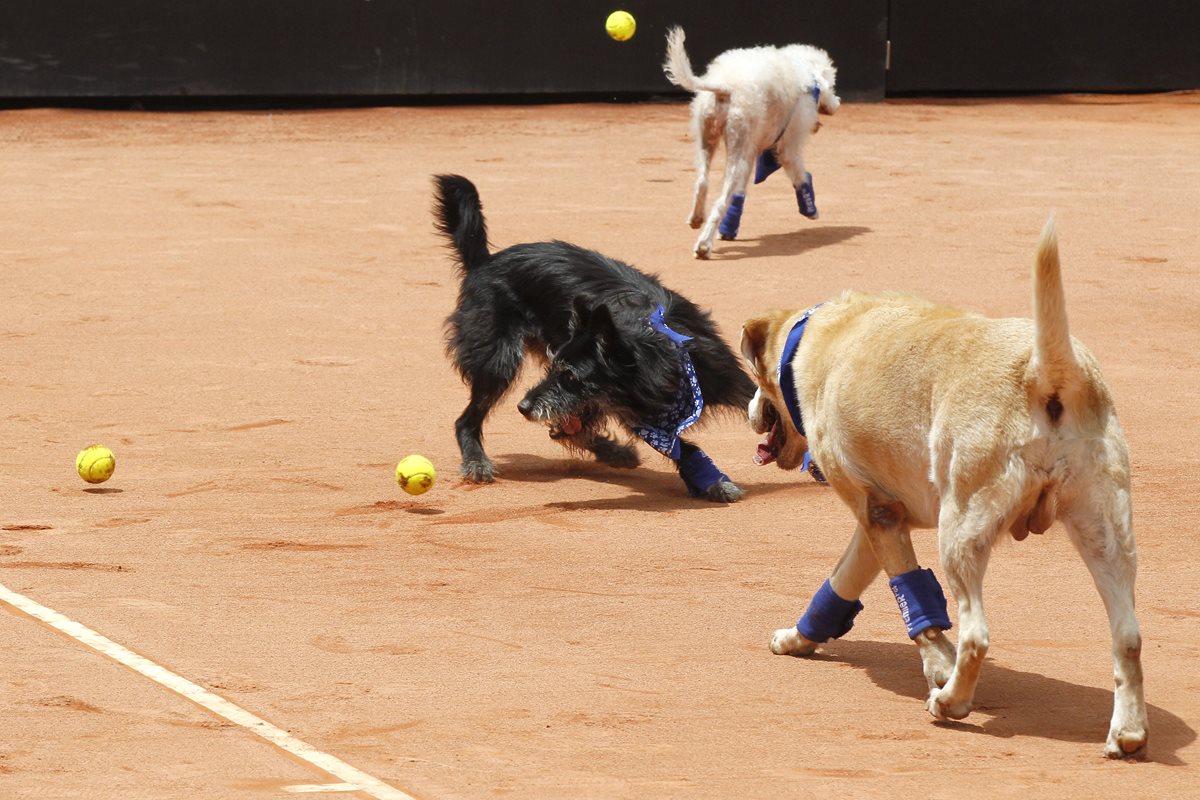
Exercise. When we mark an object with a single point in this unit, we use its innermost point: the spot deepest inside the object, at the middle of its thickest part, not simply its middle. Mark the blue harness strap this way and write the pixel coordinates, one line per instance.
(787, 377)
(698, 471)
(787, 380)
(766, 164)
(829, 616)
(922, 604)
(662, 433)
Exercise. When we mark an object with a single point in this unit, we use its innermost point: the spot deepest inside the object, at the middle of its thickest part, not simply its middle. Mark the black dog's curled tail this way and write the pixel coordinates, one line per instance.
(458, 214)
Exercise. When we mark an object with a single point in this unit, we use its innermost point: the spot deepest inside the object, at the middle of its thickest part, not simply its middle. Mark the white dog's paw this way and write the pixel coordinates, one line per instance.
(789, 642)
(942, 706)
(703, 249)
(1128, 742)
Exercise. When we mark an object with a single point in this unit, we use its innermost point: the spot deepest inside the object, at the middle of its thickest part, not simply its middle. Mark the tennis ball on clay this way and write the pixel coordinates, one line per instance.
(95, 464)
(620, 25)
(415, 474)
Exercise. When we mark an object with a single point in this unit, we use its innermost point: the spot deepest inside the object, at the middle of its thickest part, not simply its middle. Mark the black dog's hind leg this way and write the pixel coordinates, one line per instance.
(702, 477)
(490, 379)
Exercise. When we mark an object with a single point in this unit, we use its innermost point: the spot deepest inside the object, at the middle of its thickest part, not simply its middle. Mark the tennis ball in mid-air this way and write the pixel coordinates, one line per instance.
(95, 464)
(415, 474)
(620, 25)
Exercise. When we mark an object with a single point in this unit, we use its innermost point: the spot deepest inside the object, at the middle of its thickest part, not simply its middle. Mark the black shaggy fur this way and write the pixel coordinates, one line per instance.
(584, 313)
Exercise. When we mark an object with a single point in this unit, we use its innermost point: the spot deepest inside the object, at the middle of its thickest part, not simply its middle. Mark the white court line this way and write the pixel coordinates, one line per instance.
(204, 698)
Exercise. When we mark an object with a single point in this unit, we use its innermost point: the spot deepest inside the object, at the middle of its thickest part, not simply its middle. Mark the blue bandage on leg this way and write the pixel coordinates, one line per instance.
(828, 616)
(733, 217)
(806, 197)
(921, 601)
(767, 163)
(699, 472)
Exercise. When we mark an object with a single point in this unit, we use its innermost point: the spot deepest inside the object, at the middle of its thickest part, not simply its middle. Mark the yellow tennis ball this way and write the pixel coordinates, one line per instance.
(95, 464)
(415, 474)
(620, 25)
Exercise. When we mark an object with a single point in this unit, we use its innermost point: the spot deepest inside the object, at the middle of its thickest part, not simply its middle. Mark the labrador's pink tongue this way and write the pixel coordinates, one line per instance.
(766, 452)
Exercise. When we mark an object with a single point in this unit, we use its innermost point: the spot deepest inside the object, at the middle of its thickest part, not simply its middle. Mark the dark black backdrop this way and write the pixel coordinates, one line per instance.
(272, 48)
(1020, 46)
(537, 49)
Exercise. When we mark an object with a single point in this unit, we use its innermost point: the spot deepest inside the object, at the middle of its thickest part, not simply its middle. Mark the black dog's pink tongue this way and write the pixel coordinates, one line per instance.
(571, 425)
(766, 451)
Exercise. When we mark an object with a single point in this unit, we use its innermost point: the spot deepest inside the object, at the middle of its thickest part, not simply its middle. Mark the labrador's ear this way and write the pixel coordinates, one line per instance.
(754, 342)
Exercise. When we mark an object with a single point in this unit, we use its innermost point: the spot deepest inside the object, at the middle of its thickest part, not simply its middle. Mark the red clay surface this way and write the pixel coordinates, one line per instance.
(247, 308)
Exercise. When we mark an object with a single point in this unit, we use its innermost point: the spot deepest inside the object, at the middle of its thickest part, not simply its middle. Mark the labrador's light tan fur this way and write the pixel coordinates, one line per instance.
(925, 416)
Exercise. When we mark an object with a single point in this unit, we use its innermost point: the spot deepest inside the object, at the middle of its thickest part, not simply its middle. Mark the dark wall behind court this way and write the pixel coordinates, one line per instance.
(80, 49)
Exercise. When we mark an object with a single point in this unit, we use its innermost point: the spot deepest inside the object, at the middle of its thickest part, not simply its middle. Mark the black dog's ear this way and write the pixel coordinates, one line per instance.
(581, 316)
(608, 335)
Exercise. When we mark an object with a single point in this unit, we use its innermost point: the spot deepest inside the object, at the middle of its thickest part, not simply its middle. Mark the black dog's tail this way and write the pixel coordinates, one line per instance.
(458, 214)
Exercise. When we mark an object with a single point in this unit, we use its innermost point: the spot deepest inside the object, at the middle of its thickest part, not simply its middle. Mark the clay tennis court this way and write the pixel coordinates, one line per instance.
(247, 308)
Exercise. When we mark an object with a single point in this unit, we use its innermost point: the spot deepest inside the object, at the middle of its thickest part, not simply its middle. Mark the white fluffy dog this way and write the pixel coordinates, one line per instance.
(764, 102)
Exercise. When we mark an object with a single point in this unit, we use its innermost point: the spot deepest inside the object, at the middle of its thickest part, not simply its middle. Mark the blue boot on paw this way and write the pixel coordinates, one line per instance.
(806, 198)
(733, 217)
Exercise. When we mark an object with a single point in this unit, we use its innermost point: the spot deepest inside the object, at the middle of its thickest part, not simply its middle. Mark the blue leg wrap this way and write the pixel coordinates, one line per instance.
(733, 217)
(766, 164)
(699, 472)
(828, 616)
(921, 601)
(806, 197)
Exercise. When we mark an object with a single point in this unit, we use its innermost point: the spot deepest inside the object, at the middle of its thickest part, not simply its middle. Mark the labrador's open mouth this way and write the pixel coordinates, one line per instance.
(767, 450)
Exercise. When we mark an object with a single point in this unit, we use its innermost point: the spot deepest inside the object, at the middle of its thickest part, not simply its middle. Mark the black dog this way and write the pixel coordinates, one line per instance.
(619, 345)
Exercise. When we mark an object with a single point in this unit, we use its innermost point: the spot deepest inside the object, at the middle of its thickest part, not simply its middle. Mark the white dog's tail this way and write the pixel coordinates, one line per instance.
(1055, 366)
(678, 68)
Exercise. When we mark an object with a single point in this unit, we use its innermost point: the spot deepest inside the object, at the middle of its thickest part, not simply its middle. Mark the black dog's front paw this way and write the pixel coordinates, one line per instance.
(723, 492)
(478, 471)
(613, 454)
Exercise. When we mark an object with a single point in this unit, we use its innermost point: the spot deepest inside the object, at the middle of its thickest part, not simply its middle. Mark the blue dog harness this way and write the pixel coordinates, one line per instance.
(697, 469)
(787, 378)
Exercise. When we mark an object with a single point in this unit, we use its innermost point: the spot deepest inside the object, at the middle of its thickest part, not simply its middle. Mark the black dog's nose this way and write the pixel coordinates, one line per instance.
(525, 407)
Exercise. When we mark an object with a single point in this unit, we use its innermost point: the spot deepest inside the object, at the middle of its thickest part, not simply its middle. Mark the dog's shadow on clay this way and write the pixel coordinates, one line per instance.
(650, 489)
(793, 243)
(1010, 702)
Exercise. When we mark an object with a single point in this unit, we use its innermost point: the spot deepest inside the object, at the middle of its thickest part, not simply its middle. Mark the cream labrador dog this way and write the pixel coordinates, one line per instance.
(925, 416)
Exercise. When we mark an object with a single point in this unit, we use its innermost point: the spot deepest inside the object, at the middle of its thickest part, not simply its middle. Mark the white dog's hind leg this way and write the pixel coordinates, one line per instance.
(851, 577)
(1101, 528)
(738, 165)
(708, 137)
